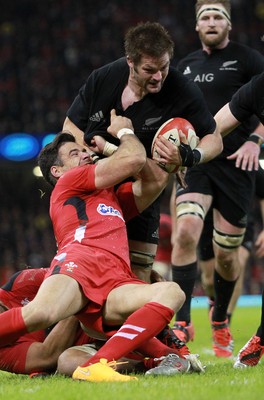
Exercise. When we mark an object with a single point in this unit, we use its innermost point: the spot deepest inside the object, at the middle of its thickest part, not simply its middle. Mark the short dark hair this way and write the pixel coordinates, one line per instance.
(48, 156)
(149, 38)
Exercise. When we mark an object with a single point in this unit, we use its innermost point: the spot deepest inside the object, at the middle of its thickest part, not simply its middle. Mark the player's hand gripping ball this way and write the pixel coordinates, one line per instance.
(171, 131)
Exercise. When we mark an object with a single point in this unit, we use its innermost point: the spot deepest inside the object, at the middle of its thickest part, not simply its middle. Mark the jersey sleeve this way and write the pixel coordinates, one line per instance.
(78, 112)
(126, 200)
(242, 102)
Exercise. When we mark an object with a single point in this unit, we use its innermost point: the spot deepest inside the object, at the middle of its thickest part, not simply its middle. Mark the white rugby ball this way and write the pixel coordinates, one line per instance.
(170, 130)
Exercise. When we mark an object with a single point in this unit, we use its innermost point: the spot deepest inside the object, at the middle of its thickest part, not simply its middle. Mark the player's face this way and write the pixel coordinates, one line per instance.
(213, 29)
(150, 73)
(73, 155)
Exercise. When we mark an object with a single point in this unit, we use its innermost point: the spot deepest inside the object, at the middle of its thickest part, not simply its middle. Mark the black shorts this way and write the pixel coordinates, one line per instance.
(231, 188)
(205, 246)
(145, 227)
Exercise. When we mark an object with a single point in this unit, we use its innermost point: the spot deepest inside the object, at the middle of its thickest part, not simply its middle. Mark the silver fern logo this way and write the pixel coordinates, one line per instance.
(228, 63)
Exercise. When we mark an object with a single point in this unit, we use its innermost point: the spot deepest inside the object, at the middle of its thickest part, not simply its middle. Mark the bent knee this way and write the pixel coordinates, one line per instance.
(173, 296)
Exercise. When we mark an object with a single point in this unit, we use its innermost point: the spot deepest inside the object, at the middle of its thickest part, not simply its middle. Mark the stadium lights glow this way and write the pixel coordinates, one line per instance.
(37, 172)
(23, 146)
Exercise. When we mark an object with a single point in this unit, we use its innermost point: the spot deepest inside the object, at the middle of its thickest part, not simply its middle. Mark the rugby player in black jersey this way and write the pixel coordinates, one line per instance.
(226, 183)
(248, 100)
(250, 243)
(144, 87)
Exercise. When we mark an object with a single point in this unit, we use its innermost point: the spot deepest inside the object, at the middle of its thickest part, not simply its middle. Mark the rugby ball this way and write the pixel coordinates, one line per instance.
(170, 130)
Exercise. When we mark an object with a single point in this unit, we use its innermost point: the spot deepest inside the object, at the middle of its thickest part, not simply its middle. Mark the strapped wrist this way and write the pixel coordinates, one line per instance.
(124, 131)
(256, 138)
(109, 149)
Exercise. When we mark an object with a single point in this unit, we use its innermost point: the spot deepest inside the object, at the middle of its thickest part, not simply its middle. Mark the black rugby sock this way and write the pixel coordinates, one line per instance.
(185, 276)
(223, 293)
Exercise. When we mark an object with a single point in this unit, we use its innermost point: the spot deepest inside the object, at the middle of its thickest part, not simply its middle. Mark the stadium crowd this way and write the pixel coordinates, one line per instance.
(47, 50)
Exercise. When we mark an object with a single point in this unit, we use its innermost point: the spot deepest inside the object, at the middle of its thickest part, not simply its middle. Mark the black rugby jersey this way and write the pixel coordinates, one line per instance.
(249, 99)
(219, 75)
(103, 89)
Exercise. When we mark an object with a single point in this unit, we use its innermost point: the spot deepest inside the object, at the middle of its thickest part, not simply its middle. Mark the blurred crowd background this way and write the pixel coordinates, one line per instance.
(47, 50)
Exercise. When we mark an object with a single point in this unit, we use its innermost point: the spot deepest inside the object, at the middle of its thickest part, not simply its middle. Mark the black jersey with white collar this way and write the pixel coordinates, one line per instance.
(219, 75)
(102, 92)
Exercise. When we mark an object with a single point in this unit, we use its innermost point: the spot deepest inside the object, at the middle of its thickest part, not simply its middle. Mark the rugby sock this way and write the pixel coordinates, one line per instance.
(12, 326)
(223, 293)
(260, 331)
(185, 276)
(139, 327)
(155, 348)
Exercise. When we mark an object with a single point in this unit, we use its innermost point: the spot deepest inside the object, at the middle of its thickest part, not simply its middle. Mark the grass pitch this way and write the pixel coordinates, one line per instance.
(220, 380)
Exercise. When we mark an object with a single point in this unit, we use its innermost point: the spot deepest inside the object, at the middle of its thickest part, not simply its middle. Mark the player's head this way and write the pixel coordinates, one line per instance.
(149, 49)
(213, 22)
(224, 5)
(62, 154)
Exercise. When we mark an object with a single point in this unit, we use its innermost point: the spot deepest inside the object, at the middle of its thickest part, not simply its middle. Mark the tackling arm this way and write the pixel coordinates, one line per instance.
(75, 131)
(44, 356)
(151, 181)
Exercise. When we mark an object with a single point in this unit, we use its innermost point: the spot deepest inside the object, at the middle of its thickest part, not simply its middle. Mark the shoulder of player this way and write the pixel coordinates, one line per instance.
(241, 48)
(194, 55)
(72, 177)
(116, 67)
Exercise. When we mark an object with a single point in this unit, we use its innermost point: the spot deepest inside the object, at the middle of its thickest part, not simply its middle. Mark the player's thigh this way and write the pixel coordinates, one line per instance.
(124, 300)
(223, 225)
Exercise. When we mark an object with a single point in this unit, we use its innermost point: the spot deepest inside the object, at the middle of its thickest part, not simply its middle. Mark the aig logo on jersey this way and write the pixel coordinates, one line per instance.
(204, 78)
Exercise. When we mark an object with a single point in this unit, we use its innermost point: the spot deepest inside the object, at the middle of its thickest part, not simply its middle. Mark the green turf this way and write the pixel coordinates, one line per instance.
(220, 381)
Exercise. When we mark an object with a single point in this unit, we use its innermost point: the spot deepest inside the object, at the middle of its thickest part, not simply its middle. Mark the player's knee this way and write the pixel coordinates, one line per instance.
(172, 295)
(188, 226)
(226, 246)
(141, 264)
(65, 366)
(37, 317)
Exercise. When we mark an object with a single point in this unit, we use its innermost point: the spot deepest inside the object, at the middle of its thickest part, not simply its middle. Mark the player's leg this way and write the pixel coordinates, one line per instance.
(243, 255)
(144, 310)
(227, 239)
(191, 209)
(143, 235)
(58, 297)
(206, 257)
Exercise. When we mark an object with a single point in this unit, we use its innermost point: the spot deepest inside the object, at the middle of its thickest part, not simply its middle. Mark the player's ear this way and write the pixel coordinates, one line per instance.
(56, 171)
(197, 28)
(130, 62)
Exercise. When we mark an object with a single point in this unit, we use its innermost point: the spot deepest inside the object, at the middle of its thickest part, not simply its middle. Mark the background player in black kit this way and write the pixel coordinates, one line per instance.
(246, 101)
(144, 87)
(250, 243)
(219, 68)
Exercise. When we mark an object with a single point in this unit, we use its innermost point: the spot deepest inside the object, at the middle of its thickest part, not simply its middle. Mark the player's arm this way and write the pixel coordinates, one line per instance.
(149, 184)
(75, 131)
(247, 156)
(225, 120)
(208, 147)
(44, 356)
(129, 158)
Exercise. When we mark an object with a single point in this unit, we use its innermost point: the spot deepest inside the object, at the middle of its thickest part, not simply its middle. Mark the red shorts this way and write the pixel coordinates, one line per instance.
(97, 271)
(13, 358)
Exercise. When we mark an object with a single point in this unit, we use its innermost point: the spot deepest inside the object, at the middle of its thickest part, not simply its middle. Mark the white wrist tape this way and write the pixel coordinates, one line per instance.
(124, 131)
(109, 149)
(201, 152)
